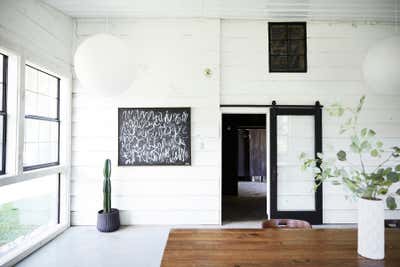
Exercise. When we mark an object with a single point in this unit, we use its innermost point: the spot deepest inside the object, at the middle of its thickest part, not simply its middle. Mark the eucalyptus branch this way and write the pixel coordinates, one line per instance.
(364, 184)
(384, 162)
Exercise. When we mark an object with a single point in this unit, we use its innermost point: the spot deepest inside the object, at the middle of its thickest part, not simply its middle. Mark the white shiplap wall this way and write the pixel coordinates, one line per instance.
(335, 55)
(170, 56)
(38, 32)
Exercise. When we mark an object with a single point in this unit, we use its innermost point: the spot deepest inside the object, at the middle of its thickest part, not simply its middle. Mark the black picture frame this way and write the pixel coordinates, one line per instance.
(186, 162)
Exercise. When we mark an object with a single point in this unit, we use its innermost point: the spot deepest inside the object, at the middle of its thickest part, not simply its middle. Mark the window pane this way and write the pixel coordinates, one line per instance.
(295, 134)
(1, 142)
(297, 47)
(31, 78)
(296, 32)
(41, 94)
(278, 32)
(1, 68)
(296, 63)
(41, 142)
(278, 63)
(1, 81)
(31, 100)
(27, 210)
(279, 47)
(47, 106)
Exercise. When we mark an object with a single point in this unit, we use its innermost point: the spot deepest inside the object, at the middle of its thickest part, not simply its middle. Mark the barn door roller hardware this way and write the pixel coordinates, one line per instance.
(273, 105)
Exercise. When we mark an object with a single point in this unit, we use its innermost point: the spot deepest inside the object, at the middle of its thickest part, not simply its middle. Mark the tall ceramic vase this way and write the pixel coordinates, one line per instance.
(371, 229)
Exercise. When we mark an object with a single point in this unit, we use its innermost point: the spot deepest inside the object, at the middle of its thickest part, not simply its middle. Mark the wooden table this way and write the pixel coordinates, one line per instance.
(272, 247)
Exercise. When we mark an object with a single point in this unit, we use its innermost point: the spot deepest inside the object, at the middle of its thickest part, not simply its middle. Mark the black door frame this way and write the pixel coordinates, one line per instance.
(314, 217)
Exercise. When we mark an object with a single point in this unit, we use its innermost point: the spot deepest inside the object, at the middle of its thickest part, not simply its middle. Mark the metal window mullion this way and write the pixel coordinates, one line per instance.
(41, 118)
(4, 114)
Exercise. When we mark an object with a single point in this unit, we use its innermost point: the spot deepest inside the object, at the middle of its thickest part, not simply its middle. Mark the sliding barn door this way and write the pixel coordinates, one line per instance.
(293, 131)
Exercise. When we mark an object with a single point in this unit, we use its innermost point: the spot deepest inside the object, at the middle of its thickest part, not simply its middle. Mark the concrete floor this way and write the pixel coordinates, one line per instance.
(136, 246)
(143, 246)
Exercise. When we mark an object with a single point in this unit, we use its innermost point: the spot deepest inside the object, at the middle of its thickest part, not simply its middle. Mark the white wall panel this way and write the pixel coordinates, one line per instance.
(170, 58)
(335, 55)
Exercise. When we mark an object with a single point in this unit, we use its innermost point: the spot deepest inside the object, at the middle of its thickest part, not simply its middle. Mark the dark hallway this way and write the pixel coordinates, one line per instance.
(243, 167)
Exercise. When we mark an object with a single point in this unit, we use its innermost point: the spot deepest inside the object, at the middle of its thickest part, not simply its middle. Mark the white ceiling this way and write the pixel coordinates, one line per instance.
(331, 10)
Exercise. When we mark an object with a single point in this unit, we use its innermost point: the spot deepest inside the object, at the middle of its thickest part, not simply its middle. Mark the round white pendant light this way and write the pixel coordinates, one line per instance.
(103, 65)
(382, 67)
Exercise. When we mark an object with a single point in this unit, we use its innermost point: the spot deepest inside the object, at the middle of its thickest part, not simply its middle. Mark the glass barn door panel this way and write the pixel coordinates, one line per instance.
(295, 134)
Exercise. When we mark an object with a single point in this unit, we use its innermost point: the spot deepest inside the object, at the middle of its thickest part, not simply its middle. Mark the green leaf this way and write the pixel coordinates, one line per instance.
(396, 152)
(379, 144)
(391, 202)
(382, 191)
(341, 155)
(364, 132)
(360, 105)
(354, 147)
(392, 176)
(335, 110)
(374, 153)
(365, 145)
(397, 168)
(371, 133)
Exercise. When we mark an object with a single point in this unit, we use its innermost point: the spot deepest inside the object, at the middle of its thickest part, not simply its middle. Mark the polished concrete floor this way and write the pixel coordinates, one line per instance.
(142, 246)
(136, 246)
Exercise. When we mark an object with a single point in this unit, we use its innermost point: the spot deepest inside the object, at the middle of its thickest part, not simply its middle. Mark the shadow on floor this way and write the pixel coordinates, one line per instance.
(249, 205)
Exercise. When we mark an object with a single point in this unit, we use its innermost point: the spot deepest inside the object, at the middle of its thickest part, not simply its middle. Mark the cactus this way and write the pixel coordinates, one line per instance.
(107, 187)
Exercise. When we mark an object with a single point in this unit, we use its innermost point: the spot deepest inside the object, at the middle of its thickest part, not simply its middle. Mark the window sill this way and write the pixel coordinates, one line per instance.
(29, 247)
(28, 175)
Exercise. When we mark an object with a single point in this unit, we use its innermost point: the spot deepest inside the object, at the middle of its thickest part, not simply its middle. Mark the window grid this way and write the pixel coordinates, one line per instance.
(47, 119)
(3, 112)
(288, 53)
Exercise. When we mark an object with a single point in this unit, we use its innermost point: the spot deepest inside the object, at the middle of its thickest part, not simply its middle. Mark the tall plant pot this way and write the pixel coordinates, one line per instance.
(108, 222)
(371, 229)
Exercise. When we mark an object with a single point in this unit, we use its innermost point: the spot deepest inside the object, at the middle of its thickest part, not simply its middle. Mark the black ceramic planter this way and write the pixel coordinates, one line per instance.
(108, 222)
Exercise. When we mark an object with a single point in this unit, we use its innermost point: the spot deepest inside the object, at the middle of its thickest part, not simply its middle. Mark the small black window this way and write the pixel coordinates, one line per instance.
(3, 111)
(287, 47)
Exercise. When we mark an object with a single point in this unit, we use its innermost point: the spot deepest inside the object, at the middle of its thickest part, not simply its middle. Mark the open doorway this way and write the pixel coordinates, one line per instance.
(244, 188)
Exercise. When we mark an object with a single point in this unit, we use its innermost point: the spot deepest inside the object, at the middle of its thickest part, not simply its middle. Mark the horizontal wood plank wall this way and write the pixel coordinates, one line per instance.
(335, 55)
(170, 56)
(40, 33)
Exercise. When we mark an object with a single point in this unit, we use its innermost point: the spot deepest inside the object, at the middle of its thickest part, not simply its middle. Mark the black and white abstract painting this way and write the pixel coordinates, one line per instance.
(153, 136)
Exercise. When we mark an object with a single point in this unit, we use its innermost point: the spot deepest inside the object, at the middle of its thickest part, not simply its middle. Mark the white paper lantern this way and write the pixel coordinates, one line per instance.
(382, 67)
(103, 65)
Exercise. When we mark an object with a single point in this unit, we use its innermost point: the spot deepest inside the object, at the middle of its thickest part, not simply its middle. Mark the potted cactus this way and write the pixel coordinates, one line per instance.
(107, 218)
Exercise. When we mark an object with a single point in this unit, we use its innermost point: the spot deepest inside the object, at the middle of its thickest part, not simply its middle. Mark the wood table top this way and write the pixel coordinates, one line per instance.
(273, 247)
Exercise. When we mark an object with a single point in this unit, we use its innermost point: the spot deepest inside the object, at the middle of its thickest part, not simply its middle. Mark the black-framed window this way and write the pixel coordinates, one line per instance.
(42, 119)
(287, 46)
(3, 111)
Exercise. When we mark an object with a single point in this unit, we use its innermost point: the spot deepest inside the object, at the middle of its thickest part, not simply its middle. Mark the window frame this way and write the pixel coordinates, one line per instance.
(48, 119)
(303, 24)
(3, 112)
(17, 60)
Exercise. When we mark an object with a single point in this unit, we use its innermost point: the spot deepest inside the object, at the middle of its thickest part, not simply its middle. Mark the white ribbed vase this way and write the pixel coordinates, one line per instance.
(371, 229)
